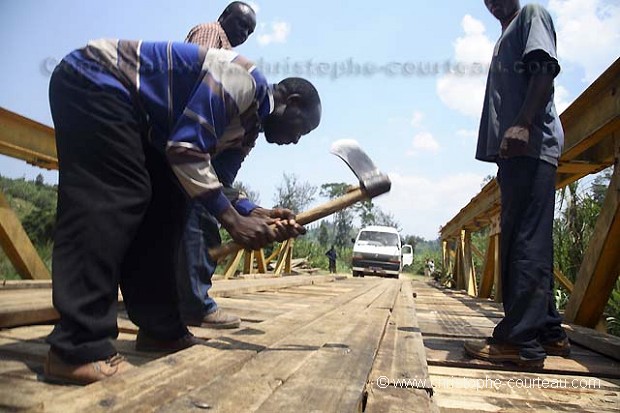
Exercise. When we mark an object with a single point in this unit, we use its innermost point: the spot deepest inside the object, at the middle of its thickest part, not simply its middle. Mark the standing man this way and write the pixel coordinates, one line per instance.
(331, 256)
(201, 230)
(236, 23)
(521, 131)
(138, 126)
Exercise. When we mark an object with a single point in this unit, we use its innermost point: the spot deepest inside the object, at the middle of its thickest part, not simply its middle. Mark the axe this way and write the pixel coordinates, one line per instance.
(372, 183)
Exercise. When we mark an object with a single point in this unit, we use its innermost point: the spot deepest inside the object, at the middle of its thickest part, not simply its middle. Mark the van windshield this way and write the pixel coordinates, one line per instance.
(380, 239)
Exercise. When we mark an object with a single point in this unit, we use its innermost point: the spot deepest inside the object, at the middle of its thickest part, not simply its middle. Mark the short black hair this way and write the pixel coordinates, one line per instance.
(309, 95)
(234, 6)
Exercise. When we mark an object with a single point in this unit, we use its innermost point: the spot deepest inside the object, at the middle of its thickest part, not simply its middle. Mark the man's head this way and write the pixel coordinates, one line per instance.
(238, 21)
(503, 10)
(297, 111)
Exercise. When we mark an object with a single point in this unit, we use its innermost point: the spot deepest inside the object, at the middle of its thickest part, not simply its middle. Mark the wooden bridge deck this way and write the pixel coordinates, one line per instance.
(309, 344)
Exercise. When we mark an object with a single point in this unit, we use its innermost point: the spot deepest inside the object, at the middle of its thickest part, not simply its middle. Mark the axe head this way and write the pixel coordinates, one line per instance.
(373, 181)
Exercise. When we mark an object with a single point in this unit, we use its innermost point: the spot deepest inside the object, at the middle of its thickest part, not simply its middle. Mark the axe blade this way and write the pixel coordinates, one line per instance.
(371, 179)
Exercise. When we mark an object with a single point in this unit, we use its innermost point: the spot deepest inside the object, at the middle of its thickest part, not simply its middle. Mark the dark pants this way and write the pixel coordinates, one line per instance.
(528, 201)
(332, 266)
(120, 212)
(196, 268)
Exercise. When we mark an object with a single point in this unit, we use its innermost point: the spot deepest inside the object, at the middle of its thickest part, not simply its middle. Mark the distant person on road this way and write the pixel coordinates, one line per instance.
(521, 132)
(133, 147)
(195, 270)
(332, 256)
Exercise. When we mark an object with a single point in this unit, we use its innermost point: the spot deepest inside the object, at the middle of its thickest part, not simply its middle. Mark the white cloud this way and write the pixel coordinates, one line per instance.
(462, 94)
(423, 142)
(416, 119)
(277, 32)
(463, 89)
(475, 46)
(588, 33)
(561, 98)
(421, 205)
(467, 134)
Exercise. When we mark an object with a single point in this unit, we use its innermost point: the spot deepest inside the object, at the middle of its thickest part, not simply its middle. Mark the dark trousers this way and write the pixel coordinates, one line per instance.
(528, 201)
(120, 213)
(332, 266)
(196, 267)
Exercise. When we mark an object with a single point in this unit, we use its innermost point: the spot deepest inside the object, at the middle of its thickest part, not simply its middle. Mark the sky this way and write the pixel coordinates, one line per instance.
(406, 81)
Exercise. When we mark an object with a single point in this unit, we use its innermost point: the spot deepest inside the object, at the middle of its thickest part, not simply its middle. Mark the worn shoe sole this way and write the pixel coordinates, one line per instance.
(233, 324)
(521, 362)
(60, 380)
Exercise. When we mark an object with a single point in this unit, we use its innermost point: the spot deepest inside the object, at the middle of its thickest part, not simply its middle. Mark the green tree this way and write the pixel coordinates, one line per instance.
(293, 194)
(343, 220)
(323, 236)
(386, 219)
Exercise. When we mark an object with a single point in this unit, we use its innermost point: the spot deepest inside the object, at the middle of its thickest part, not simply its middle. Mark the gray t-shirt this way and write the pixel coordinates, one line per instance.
(532, 30)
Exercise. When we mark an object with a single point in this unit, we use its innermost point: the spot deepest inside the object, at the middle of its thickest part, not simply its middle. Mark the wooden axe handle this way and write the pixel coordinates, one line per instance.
(306, 217)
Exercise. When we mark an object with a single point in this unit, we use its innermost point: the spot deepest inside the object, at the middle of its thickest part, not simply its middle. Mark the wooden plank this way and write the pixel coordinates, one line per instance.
(233, 264)
(168, 378)
(449, 352)
(479, 205)
(289, 257)
(25, 139)
(263, 376)
(600, 267)
(469, 272)
(261, 265)
(462, 311)
(17, 393)
(28, 344)
(399, 378)
(17, 245)
(478, 327)
(23, 284)
(35, 306)
(461, 390)
(388, 298)
(248, 264)
(561, 278)
(605, 344)
(285, 252)
(597, 106)
(343, 367)
(488, 273)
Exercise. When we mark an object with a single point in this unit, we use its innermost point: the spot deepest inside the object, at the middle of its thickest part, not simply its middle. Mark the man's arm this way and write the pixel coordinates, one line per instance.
(516, 138)
(541, 66)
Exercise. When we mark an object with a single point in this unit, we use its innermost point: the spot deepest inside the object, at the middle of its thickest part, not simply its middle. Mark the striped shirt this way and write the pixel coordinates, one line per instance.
(192, 99)
(209, 35)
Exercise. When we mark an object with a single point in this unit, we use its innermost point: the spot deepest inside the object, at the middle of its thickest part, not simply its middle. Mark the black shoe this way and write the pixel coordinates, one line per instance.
(152, 345)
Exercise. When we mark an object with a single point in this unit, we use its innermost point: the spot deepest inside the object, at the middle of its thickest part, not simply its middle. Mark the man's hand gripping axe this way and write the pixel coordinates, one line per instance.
(372, 183)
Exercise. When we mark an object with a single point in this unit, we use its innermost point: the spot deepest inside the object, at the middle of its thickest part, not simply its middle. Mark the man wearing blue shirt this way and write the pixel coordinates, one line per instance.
(137, 127)
(521, 132)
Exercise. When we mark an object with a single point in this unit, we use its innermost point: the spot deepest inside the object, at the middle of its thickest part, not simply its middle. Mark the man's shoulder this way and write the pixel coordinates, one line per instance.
(238, 82)
(532, 10)
(205, 26)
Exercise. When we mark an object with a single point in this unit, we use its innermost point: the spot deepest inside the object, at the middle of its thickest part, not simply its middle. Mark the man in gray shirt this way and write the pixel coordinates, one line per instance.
(521, 131)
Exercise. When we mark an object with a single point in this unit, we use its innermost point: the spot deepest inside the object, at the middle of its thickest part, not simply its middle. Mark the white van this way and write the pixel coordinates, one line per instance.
(378, 251)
